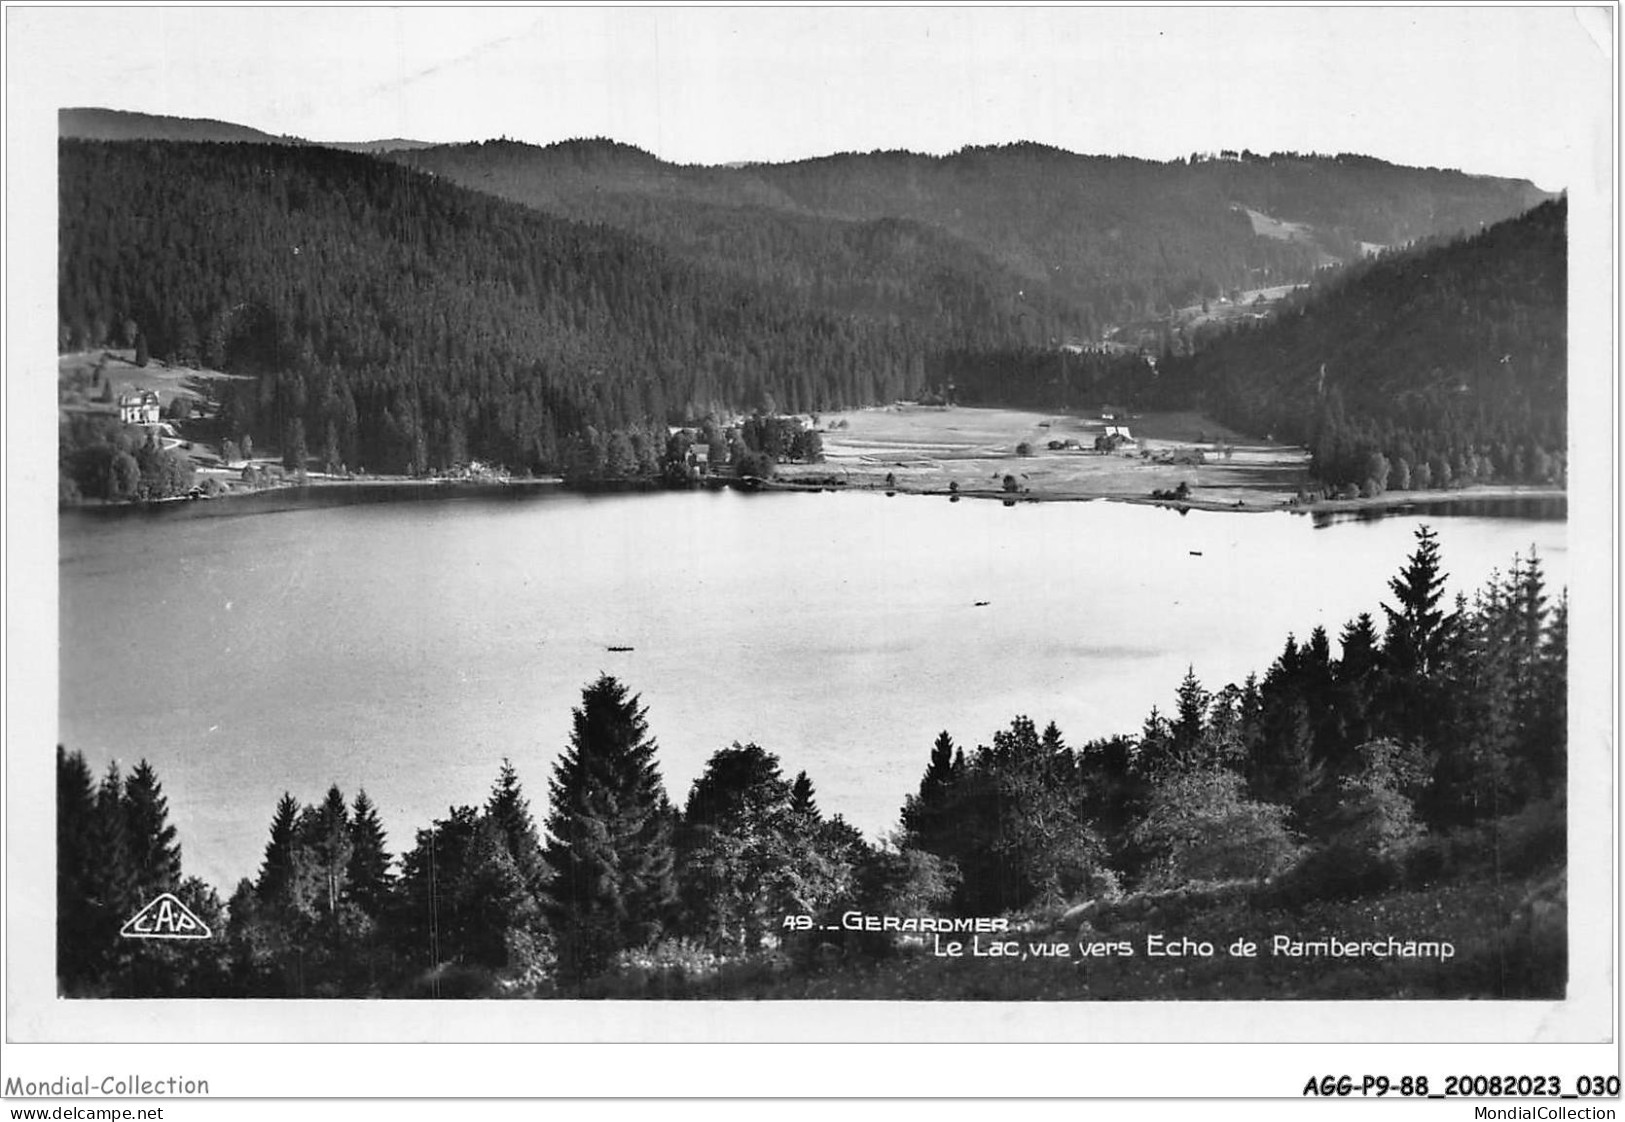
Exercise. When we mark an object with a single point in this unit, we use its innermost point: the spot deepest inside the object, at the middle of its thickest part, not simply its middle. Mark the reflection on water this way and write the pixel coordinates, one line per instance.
(407, 647)
(278, 499)
(1532, 508)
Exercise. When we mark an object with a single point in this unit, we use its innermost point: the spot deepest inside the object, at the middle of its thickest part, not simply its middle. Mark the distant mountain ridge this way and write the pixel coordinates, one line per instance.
(88, 123)
(1079, 243)
(1020, 244)
(392, 144)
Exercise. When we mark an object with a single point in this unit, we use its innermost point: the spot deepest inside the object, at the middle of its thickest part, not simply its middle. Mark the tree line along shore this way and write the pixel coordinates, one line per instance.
(1181, 459)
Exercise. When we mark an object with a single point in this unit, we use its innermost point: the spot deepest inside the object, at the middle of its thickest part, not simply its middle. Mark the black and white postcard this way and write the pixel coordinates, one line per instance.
(819, 525)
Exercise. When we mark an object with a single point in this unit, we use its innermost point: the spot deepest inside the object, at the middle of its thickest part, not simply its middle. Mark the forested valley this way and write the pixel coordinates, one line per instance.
(1405, 778)
(1439, 365)
(382, 319)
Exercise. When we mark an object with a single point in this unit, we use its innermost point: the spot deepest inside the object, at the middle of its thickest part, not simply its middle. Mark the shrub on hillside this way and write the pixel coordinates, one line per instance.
(1201, 827)
(896, 881)
(1534, 838)
(1373, 828)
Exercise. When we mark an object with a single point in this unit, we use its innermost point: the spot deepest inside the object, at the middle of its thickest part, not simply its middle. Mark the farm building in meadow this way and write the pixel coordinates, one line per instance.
(138, 408)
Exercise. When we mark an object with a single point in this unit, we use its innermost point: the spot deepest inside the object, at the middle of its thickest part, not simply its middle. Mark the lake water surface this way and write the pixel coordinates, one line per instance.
(407, 647)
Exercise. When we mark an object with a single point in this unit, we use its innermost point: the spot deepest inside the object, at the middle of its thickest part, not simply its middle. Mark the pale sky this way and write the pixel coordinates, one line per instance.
(1514, 91)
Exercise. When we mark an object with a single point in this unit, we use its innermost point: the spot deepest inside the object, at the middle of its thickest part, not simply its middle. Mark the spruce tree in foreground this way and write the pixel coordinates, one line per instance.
(927, 821)
(276, 873)
(609, 842)
(509, 811)
(368, 876)
(155, 855)
(1419, 632)
(77, 878)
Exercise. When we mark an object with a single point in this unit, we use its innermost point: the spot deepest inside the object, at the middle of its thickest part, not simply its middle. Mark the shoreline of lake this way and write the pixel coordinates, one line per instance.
(1393, 501)
(393, 488)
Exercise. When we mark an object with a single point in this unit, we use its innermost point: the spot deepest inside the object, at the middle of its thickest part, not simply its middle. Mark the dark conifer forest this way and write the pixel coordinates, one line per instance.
(1442, 364)
(1407, 775)
(384, 318)
(396, 322)
(1029, 237)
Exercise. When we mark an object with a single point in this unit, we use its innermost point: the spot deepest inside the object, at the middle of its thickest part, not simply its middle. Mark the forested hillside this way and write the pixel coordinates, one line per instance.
(119, 124)
(397, 322)
(1443, 364)
(394, 321)
(1070, 245)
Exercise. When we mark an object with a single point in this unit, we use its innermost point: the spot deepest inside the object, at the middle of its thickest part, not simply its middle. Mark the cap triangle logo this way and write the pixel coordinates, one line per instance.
(165, 918)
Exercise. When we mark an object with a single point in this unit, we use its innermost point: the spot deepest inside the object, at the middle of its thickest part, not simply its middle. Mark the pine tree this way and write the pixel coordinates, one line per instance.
(325, 837)
(510, 811)
(1529, 602)
(145, 861)
(1221, 744)
(1419, 642)
(1316, 684)
(1359, 646)
(1192, 708)
(368, 876)
(113, 894)
(926, 814)
(76, 862)
(1526, 632)
(1053, 745)
(433, 924)
(1356, 677)
(155, 856)
(508, 930)
(1155, 751)
(278, 938)
(608, 835)
(1418, 630)
(1113, 793)
(1472, 776)
(1284, 770)
(277, 870)
(802, 800)
(1546, 744)
(368, 892)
